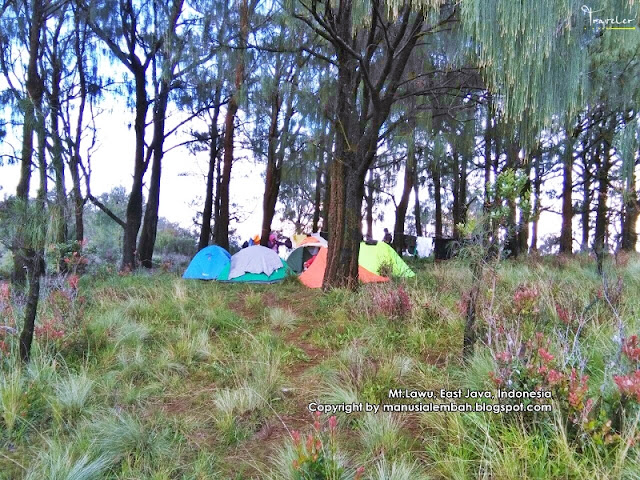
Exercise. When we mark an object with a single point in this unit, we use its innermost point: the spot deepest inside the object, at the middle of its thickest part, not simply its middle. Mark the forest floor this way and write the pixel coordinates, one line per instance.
(152, 376)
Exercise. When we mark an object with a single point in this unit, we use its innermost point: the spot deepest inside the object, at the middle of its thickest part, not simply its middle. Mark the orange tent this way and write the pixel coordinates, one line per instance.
(312, 242)
(312, 277)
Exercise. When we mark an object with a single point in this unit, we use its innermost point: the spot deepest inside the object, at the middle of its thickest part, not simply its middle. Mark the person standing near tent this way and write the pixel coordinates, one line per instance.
(387, 237)
(273, 242)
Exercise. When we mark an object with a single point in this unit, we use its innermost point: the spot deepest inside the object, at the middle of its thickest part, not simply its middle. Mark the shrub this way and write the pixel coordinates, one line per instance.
(592, 420)
(391, 301)
(386, 269)
(533, 367)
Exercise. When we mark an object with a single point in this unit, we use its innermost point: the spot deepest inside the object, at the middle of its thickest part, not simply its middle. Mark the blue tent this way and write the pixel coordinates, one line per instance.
(208, 263)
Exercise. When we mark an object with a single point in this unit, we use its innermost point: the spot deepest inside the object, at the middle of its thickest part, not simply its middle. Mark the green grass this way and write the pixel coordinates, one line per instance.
(160, 377)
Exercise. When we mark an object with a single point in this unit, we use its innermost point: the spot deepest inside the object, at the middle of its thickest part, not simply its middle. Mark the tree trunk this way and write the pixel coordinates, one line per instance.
(599, 242)
(586, 205)
(511, 243)
(437, 197)
(337, 191)
(317, 199)
(630, 216)
(134, 205)
(369, 207)
(357, 142)
(537, 187)
(401, 208)
(344, 218)
(150, 227)
(35, 255)
(32, 104)
(217, 202)
(497, 200)
(221, 235)
(525, 213)
(459, 193)
(58, 213)
(74, 158)
(327, 183)
(345, 262)
(455, 190)
(272, 177)
(463, 191)
(417, 212)
(566, 231)
(487, 154)
(279, 143)
(317, 204)
(162, 89)
(78, 201)
(207, 213)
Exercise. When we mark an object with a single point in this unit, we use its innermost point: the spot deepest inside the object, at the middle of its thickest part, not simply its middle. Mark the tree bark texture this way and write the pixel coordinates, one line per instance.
(221, 236)
(403, 204)
(631, 210)
(207, 213)
(566, 230)
(33, 104)
(150, 226)
(134, 204)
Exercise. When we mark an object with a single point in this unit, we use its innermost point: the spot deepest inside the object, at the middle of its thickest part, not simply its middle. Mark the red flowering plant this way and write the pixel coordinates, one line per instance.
(532, 367)
(6, 307)
(69, 256)
(391, 301)
(75, 262)
(628, 382)
(528, 366)
(61, 312)
(525, 301)
(49, 330)
(563, 314)
(316, 455)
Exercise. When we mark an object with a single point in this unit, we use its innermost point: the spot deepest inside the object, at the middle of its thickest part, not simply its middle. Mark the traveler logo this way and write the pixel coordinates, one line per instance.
(612, 23)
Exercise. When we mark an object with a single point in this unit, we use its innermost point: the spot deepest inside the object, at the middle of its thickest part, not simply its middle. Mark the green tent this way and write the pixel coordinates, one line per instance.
(373, 257)
(255, 264)
(276, 276)
(300, 255)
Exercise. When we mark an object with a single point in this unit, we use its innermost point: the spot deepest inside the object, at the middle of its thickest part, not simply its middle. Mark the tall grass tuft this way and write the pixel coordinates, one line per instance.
(71, 395)
(191, 346)
(132, 334)
(381, 434)
(231, 403)
(134, 365)
(282, 318)
(122, 436)
(254, 303)
(264, 367)
(58, 462)
(13, 401)
(396, 470)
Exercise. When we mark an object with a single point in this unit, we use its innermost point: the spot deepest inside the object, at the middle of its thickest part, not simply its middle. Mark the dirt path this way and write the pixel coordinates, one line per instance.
(295, 392)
